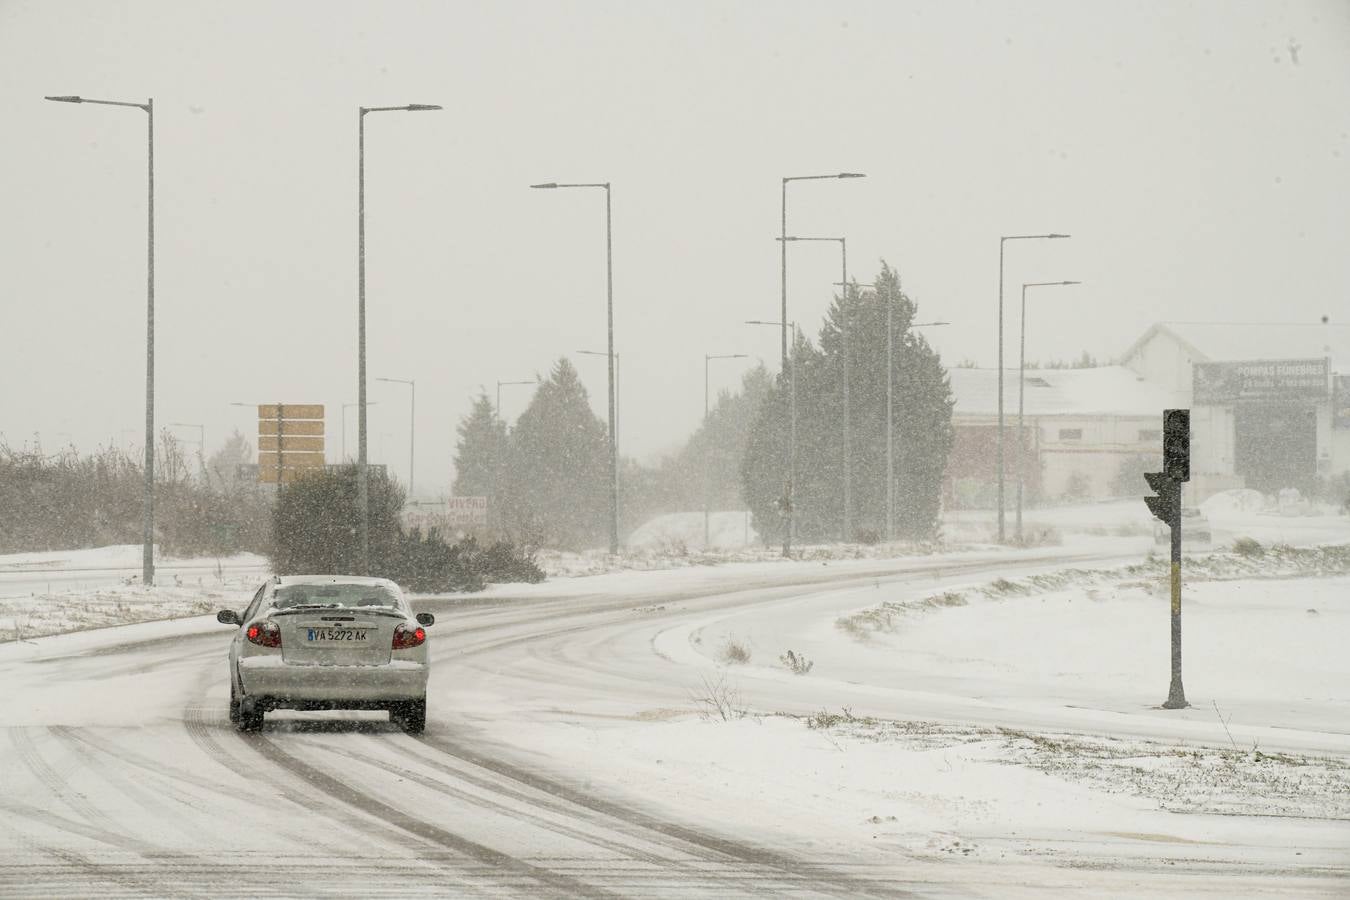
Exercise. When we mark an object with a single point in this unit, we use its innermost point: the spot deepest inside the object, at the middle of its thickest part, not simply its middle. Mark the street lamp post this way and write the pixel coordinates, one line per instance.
(1001, 242)
(783, 314)
(609, 312)
(362, 476)
(1021, 390)
(345, 407)
(844, 336)
(789, 483)
(412, 429)
(618, 398)
(148, 503)
(707, 462)
(890, 403)
(500, 385)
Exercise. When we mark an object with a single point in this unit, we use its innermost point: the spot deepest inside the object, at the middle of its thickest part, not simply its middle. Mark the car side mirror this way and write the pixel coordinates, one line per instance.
(426, 619)
(228, 617)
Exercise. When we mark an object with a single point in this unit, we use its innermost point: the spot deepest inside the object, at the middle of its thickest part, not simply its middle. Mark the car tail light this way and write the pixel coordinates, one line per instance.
(264, 634)
(405, 637)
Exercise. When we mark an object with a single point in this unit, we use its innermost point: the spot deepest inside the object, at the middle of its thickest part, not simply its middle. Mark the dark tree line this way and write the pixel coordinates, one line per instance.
(547, 477)
(66, 501)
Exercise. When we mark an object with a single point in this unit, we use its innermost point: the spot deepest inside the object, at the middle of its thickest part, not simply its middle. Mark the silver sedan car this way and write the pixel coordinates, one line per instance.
(328, 642)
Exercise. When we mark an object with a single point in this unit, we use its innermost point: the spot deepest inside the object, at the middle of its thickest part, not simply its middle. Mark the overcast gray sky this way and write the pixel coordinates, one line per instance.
(1199, 154)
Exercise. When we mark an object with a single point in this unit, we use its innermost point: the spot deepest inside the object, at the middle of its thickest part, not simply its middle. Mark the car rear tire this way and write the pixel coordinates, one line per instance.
(250, 715)
(410, 715)
(234, 705)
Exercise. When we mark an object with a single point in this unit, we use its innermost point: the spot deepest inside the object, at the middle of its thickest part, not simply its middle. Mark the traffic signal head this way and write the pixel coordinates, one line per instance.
(1177, 444)
(1167, 504)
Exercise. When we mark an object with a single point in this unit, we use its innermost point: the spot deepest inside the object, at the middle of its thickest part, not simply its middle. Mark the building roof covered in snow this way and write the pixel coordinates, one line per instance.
(1236, 341)
(1103, 391)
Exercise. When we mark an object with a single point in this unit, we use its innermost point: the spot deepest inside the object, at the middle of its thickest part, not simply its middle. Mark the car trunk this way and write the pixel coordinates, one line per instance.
(346, 637)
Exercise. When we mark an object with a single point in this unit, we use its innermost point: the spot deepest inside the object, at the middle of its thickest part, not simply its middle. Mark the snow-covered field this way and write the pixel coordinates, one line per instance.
(55, 592)
(1011, 725)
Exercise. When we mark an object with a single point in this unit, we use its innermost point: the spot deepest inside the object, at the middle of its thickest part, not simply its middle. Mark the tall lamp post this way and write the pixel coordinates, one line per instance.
(148, 503)
(1021, 390)
(502, 384)
(362, 476)
(412, 430)
(707, 462)
(1002, 241)
(890, 403)
(790, 478)
(783, 314)
(848, 423)
(609, 312)
(345, 407)
(618, 399)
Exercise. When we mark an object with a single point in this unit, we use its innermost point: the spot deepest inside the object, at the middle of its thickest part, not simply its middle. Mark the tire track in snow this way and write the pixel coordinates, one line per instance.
(669, 865)
(501, 862)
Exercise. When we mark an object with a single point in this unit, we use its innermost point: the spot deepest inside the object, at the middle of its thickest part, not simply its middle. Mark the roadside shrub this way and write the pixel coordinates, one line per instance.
(734, 652)
(1250, 547)
(501, 561)
(797, 665)
(868, 536)
(316, 529)
(718, 700)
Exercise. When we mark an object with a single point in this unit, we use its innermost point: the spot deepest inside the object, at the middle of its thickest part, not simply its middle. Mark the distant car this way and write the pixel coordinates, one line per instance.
(328, 642)
(1194, 528)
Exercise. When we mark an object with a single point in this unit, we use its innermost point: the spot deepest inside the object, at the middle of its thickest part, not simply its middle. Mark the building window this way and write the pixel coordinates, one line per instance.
(1071, 434)
(1146, 435)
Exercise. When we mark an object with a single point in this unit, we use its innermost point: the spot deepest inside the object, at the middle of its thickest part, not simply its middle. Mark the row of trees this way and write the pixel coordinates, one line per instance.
(546, 477)
(65, 500)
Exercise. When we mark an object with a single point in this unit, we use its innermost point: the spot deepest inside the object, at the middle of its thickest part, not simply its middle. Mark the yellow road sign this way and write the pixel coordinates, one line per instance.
(291, 411)
(290, 444)
(290, 460)
(288, 426)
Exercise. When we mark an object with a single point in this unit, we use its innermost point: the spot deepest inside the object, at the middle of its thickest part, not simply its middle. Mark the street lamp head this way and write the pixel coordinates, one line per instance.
(421, 107)
(1071, 282)
(66, 99)
(851, 175)
(1057, 235)
(548, 185)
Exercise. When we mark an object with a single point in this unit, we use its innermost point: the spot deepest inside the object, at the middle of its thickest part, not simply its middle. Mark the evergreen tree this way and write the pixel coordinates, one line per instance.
(555, 489)
(481, 455)
(921, 416)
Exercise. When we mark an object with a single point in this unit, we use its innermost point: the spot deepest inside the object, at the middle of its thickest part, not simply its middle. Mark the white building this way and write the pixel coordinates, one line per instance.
(1083, 427)
(1270, 403)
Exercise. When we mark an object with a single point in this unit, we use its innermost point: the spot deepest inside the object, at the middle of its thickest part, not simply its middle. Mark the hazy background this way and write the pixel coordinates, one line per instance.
(1199, 154)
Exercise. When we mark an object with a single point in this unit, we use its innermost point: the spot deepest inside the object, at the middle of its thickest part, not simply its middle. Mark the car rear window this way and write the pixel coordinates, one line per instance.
(339, 595)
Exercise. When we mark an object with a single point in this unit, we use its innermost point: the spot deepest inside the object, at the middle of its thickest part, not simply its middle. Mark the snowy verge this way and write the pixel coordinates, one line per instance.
(1152, 575)
(927, 791)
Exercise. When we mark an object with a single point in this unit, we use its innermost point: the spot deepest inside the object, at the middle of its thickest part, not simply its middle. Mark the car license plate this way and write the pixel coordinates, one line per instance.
(336, 635)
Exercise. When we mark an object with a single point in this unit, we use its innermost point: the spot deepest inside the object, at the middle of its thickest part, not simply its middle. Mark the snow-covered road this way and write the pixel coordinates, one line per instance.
(122, 776)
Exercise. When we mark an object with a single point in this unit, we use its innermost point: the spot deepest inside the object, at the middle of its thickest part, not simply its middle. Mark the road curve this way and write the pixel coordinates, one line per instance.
(123, 777)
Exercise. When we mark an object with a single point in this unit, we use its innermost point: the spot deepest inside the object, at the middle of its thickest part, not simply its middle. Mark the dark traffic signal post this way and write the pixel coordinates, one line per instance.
(1166, 505)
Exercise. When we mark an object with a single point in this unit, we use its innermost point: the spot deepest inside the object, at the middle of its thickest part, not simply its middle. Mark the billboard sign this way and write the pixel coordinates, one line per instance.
(1220, 383)
(466, 512)
(290, 441)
